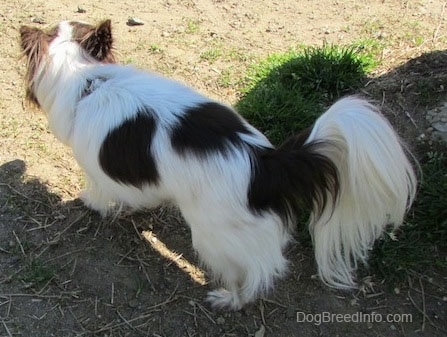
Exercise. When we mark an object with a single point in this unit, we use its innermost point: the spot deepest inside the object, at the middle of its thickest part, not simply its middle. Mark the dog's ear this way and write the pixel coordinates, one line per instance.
(29, 38)
(34, 43)
(98, 43)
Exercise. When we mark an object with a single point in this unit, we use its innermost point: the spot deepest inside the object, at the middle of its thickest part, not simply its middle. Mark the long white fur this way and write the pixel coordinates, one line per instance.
(377, 182)
(242, 249)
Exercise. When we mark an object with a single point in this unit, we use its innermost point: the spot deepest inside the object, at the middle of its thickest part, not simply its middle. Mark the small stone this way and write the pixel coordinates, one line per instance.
(38, 20)
(260, 332)
(220, 320)
(132, 21)
(442, 127)
(133, 303)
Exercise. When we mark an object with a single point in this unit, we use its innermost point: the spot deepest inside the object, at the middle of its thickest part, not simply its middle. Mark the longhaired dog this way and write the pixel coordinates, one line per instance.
(144, 140)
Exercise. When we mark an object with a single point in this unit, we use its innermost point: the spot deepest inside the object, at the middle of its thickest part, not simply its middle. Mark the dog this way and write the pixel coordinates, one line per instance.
(144, 140)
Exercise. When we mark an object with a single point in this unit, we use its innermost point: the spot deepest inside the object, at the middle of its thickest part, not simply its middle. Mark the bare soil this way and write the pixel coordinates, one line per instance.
(64, 271)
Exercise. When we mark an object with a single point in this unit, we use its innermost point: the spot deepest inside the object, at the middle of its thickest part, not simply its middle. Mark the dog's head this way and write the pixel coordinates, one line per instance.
(92, 44)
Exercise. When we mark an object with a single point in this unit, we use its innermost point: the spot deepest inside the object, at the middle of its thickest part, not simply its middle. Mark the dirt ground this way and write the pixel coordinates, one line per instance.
(64, 271)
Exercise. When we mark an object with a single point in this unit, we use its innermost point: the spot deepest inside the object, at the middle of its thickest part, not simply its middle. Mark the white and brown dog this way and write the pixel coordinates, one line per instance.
(143, 140)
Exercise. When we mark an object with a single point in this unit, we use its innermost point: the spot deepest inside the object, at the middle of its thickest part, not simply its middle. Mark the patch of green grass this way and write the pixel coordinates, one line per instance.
(192, 26)
(211, 55)
(285, 93)
(413, 33)
(226, 78)
(129, 60)
(237, 55)
(373, 27)
(37, 272)
(371, 49)
(155, 49)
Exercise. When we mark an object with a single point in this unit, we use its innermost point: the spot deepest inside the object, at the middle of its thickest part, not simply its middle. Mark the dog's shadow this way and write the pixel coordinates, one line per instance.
(75, 244)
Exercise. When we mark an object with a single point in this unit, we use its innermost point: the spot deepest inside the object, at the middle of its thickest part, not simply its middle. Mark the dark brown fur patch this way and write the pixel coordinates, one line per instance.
(34, 43)
(97, 40)
(126, 155)
(293, 177)
(208, 128)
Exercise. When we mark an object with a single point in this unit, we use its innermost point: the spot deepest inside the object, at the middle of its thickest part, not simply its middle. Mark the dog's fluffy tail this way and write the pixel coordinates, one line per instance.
(353, 170)
(377, 185)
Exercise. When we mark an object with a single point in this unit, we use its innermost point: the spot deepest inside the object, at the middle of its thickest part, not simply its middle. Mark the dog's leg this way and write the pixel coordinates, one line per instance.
(94, 198)
(243, 252)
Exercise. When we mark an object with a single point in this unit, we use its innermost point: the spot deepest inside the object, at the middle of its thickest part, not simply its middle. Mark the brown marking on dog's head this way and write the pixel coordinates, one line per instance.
(34, 43)
(96, 41)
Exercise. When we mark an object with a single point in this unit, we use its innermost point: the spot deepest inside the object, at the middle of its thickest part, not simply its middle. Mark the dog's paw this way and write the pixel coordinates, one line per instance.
(92, 201)
(222, 299)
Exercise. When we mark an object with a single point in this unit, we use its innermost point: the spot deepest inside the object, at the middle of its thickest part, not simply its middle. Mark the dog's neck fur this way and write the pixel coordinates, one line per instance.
(59, 99)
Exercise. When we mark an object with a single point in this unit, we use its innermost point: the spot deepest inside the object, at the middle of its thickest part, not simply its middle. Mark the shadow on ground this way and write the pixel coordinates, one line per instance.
(410, 91)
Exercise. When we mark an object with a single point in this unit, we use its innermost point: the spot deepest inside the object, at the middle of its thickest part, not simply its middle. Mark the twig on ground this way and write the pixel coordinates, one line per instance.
(76, 319)
(59, 297)
(136, 230)
(123, 257)
(146, 274)
(98, 229)
(146, 315)
(423, 311)
(441, 16)
(23, 195)
(410, 118)
(125, 320)
(83, 214)
(4, 251)
(20, 243)
(45, 286)
(261, 311)
(195, 314)
(112, 296)
(70, 253)
(205, 312)
(274, 302)
(40, 225)
(423, 304)
(8, 310)
(7, 329)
